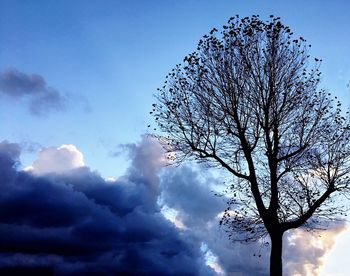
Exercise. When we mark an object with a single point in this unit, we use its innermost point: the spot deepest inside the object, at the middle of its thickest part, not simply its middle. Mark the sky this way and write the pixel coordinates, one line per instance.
(77, 80)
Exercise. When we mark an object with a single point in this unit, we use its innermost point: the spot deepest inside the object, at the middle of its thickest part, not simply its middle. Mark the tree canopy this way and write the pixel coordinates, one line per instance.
(248, 100)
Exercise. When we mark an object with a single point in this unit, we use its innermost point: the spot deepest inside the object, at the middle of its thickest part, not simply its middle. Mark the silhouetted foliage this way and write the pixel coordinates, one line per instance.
(247, 101)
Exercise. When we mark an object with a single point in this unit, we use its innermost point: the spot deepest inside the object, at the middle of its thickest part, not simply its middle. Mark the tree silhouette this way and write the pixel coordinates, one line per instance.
(246, 101)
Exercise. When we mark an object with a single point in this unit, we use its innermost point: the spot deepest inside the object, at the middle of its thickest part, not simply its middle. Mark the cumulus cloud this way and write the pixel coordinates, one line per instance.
(307, 250)
(194, 208)
(146, 159)
(32, 87)
(77, 222)
(74, 221)
(57, 160)
(190, 198)
(185, 190)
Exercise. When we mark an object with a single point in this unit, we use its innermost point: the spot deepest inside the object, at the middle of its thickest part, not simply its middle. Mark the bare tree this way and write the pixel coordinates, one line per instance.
(247, 101)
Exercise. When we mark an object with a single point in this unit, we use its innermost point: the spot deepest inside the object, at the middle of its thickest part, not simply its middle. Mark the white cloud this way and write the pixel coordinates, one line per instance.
(57, 160)
(148, 157)
(172, 215)
(111, 179)
(307, 251)
(211, 260)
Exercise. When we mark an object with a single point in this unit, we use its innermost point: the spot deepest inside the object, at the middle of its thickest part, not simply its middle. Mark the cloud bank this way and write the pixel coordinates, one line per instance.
(76, 223)
(33, 88)
(63, 218)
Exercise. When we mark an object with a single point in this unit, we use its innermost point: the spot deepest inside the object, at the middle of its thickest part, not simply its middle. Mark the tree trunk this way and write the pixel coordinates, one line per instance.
(276, 254)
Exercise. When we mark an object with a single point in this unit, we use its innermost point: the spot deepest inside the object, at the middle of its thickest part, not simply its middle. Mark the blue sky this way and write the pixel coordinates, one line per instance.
(110, 57)
(106, 58)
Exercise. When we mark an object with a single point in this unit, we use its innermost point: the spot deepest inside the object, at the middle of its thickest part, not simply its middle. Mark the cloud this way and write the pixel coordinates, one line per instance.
(9, 157)
(78, 223)
(75, 222)
(10, 151)
(307, 250)
(146, 160)
(57, 160)
(32, 87)
(184, 190)
(189, 191)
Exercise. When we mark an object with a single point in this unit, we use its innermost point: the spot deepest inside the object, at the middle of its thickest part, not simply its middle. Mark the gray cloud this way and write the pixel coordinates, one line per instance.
(184, 190)
(77, 222)
(189, 192)
(33, 88)
(11, 150)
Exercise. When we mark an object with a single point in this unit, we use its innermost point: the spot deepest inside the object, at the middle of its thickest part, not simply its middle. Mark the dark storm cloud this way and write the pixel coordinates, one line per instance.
(9, 152)
(78, 223)
(42, 98)
(9, 157)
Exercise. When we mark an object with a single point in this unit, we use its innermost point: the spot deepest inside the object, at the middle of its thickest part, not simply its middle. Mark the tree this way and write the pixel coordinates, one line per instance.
(246, 101)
